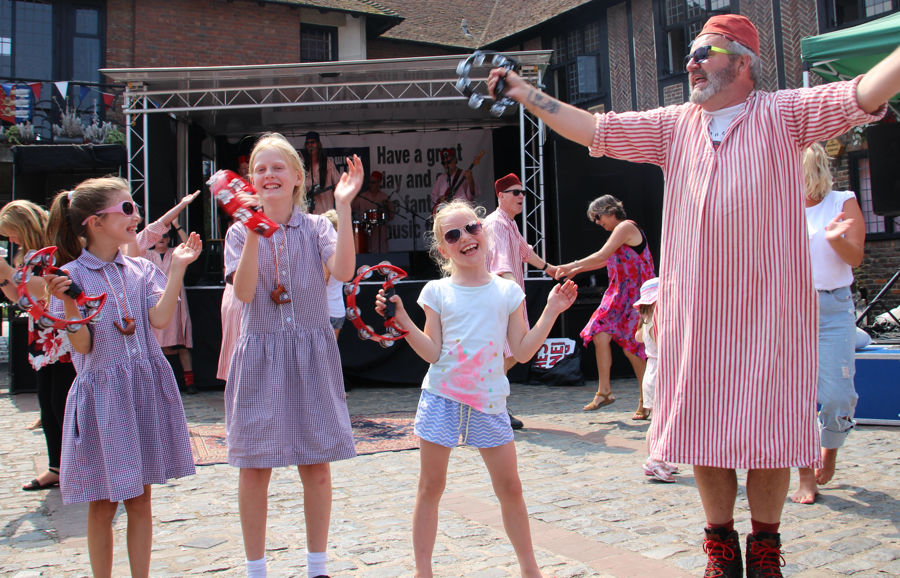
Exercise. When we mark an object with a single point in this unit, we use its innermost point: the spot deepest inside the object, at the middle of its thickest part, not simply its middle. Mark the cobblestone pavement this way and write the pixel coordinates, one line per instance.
(593, 512)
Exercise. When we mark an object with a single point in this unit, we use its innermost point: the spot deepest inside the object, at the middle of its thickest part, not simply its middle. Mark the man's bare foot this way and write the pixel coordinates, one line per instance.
(826, 472)
(807, 490)
(35, 424)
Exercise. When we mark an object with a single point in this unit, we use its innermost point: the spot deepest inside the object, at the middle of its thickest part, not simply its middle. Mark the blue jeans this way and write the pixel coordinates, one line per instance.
(836, 393)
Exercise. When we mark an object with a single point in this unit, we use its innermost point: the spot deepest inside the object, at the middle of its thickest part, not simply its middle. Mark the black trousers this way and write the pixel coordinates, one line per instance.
(53, 383)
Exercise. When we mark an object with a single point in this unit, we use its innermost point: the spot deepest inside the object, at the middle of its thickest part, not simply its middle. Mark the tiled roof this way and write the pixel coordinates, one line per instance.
(487, 21)
(372, 7)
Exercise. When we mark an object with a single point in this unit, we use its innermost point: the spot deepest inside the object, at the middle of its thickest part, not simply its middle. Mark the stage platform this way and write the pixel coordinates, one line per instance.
(878, 385)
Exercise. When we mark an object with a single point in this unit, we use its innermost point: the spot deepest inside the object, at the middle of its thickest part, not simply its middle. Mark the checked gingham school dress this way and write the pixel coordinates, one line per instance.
(284, 399)
(124, 426)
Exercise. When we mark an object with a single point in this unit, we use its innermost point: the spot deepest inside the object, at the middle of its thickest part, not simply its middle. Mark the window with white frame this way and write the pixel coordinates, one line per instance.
(318, 43)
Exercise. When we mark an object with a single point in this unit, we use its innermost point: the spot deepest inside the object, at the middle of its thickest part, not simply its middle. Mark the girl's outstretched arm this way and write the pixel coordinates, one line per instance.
(161, 314)
(81, 340)
(524, 344)
(342, 263)
(154, 231)
(427, 344)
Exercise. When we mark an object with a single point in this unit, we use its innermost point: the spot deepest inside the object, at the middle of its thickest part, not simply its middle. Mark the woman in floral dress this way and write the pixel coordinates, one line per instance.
(628, 263)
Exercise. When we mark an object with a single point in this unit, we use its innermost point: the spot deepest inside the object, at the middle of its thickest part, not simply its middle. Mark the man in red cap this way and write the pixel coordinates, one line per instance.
(508, 249)
(453, 183)
(374, 208)
(737, 310)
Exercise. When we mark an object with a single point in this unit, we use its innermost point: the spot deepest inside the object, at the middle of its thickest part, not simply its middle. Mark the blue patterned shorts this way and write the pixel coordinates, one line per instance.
(448, 423)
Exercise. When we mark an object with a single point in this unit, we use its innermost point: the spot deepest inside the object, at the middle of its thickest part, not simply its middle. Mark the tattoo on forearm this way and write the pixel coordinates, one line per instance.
(543, 102)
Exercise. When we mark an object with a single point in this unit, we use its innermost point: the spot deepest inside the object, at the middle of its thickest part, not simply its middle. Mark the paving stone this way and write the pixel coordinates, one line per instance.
(582, 491)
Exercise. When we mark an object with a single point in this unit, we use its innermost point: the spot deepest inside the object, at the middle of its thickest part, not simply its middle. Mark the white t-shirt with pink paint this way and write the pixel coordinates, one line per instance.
(473, 323)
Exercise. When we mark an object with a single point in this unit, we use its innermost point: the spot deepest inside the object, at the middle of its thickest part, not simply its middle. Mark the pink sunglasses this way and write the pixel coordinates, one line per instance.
(126, 208)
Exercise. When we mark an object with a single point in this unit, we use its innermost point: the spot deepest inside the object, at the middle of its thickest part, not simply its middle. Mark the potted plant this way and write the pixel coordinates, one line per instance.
(70, 130)
(20, 134)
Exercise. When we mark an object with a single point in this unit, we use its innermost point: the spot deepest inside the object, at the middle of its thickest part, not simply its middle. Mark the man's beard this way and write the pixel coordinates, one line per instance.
(715, 82)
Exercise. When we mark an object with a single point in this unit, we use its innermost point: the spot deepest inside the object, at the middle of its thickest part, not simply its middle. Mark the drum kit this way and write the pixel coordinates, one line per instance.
(367, 228)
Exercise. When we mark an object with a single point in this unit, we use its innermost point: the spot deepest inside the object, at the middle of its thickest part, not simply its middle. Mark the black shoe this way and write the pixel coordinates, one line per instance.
(515, 422)
(190, 390)
(764, 558)
(724, 551)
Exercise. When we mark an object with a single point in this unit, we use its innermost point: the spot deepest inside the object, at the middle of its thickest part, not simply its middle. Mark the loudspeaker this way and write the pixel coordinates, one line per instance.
(884, 168)
(23, 376)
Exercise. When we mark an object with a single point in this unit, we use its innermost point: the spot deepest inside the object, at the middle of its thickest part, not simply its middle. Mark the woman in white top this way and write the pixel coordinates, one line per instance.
(836, 241)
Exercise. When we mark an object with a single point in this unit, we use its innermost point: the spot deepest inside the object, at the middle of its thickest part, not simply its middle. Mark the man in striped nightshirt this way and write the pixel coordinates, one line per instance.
(737, 309)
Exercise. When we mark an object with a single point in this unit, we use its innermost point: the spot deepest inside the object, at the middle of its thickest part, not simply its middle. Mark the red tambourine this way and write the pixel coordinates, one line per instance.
(39, 263)
(224, 186)
(393, 331)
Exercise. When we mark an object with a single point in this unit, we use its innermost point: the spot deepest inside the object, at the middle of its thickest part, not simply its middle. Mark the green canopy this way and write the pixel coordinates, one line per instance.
(845, 54)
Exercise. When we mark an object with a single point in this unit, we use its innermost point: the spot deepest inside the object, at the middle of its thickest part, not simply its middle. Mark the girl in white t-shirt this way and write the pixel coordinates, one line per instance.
(334, 287)
(468, 316)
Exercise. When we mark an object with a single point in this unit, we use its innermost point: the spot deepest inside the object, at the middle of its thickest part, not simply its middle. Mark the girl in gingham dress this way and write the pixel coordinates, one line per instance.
(124, 427)
(284, 400)
(468, 316)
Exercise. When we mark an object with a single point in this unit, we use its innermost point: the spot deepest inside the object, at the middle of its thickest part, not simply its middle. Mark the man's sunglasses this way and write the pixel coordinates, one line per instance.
(453, 235)
(126, 208)
(701, 54)
(514, 192)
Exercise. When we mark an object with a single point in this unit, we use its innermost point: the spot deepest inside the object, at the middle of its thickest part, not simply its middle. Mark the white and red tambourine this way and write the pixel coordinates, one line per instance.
(225, 186)
(393, 331)
(39, 263)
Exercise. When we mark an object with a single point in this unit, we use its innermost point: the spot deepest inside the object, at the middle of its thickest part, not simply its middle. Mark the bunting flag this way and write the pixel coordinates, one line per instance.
(16, 103)
(36, 89)
(85, 90)
(108, 99)
(63, 87)
(7, 104)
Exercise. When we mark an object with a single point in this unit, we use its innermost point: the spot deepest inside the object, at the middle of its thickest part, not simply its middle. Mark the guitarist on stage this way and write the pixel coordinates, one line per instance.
(454, 183)
(321, 175)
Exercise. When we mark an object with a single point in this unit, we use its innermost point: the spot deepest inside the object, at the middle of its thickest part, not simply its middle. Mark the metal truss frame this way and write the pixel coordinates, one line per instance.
(187, 92)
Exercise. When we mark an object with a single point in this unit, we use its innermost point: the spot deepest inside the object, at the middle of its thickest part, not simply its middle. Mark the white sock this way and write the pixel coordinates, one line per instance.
(315, 564)
(256, 568)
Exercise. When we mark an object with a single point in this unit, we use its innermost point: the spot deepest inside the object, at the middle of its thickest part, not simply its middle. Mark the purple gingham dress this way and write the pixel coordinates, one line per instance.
(284, 400)
(124, 426)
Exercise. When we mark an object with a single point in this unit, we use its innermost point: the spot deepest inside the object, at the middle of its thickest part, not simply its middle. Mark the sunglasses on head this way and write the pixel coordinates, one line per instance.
(126, 208)
(453, 235)
(701, 54)
(514, 192)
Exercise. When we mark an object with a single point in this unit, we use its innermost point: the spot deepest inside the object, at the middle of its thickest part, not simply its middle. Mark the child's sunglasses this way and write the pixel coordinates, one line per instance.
(453, 235)
(126, 208)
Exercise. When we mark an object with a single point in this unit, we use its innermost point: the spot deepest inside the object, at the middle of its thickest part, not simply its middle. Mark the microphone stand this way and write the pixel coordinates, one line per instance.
(411, 219)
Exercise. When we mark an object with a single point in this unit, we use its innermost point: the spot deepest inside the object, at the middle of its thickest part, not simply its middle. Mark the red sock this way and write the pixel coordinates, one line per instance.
(764, 527)
(188, 378)
(728, 526)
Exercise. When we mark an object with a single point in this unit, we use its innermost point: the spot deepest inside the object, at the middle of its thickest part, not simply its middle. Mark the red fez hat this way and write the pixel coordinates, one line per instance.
(377, 176)
(733, 27)
(506, 182)
(448, 154)
(243, 159)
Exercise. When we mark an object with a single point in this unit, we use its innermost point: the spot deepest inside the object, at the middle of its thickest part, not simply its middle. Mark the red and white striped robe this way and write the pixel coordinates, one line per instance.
(737, 310)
